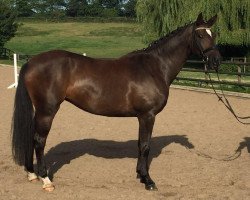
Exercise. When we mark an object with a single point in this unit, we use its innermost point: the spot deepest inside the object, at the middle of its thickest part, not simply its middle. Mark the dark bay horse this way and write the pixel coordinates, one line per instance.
(134, 85)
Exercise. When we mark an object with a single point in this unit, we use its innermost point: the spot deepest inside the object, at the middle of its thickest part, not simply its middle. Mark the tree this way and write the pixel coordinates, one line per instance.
(160, 17)
(104, 8)
(95, 8)
(48, 6)
(76, 7)
(129, 8)
(110, 3)
(8, 26)
(23, 8)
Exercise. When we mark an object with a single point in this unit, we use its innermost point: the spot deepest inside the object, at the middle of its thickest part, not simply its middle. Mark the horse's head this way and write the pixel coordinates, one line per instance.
(204, 42)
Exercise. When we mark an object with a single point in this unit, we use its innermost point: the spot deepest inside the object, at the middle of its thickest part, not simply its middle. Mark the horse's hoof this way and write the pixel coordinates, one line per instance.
(151, 187)
(47, 184)
(32, 177)
(48, 187)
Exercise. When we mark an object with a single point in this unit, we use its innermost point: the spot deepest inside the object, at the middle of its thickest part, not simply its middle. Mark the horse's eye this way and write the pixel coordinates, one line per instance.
(200, 36)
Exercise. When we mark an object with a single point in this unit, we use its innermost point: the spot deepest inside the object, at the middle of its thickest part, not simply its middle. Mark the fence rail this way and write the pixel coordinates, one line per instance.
(213, 81)
(212, 72)
(239, 74)
(223, 62)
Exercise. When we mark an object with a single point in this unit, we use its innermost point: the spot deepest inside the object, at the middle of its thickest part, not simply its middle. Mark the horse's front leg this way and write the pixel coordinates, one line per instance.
(146, 123)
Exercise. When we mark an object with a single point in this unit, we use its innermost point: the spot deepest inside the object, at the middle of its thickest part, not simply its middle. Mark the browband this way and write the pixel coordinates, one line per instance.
(201, 28)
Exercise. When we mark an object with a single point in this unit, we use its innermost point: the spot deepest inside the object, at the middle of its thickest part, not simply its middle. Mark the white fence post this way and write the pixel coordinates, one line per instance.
(15, 72)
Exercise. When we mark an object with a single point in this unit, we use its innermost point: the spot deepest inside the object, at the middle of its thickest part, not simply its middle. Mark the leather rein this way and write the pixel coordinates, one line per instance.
(222, 98)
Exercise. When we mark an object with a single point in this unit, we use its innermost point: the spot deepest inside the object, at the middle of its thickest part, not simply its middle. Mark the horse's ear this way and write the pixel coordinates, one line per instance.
(199, 20)
(211, 21)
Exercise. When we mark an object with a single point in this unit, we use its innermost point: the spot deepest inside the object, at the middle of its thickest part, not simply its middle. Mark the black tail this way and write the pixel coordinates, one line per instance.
(22, 123)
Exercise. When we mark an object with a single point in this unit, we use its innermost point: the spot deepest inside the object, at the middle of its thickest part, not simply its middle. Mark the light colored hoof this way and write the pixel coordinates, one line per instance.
(47, 184)
(32, 177)
(49, 187)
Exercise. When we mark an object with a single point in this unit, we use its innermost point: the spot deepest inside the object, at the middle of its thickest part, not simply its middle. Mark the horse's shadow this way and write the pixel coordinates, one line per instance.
(64, 152)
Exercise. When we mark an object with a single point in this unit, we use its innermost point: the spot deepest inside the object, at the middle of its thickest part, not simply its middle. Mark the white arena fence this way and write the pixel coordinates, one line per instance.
(14, 85)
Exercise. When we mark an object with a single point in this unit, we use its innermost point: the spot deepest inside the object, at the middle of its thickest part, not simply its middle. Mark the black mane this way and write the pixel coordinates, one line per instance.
(157, 43)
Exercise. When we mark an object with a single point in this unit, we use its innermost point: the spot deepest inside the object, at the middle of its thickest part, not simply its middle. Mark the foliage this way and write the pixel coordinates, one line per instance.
(109, 12)
(110, 3)
(160, 17)
(74, 8)
(129, 8)
(47, 6)
(228, 68)
(8, 26)
(23, 8)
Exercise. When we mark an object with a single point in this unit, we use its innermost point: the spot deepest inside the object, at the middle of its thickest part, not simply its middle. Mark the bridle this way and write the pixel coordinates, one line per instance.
(222, 98)
(198, 44)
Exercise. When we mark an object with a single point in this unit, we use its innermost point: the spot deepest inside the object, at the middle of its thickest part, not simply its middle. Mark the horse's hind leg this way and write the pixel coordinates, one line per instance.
(43, 122)
(29, 166)
(146, 123)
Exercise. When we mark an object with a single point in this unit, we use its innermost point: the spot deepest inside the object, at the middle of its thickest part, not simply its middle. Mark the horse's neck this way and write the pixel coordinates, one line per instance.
(174, 53)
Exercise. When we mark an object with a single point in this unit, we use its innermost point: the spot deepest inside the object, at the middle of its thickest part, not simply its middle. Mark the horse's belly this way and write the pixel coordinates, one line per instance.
(116, 100)
(101, 104)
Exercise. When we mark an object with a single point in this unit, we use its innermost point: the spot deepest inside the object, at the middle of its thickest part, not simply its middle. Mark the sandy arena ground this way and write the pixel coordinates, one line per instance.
(93, 157)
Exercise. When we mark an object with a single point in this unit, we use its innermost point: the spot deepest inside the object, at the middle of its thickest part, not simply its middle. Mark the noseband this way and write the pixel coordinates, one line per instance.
(202, 51)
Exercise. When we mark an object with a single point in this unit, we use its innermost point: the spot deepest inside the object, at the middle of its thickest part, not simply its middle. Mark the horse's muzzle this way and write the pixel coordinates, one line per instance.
(214, 62)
